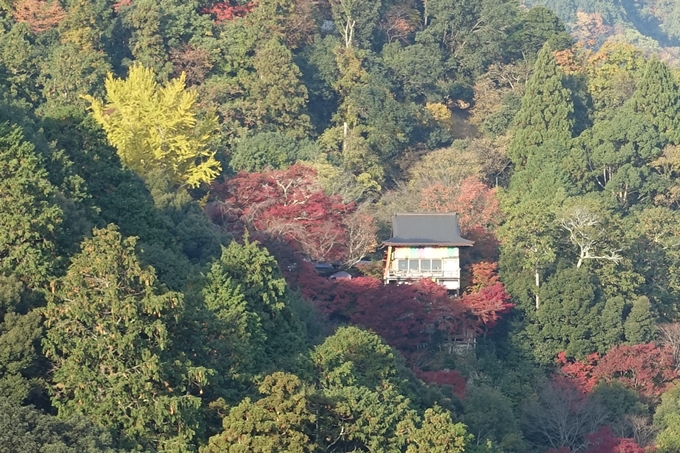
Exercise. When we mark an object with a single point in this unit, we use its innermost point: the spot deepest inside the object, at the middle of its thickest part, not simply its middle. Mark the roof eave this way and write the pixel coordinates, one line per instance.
(430, 244)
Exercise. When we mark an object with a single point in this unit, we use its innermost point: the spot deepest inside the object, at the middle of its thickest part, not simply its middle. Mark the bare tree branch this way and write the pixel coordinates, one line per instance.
(585, 232)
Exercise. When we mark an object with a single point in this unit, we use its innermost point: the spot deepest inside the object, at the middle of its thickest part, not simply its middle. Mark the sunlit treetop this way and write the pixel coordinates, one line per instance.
(157, 127)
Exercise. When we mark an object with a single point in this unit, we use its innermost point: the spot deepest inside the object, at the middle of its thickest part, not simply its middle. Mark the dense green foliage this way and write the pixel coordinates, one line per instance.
(171, 171)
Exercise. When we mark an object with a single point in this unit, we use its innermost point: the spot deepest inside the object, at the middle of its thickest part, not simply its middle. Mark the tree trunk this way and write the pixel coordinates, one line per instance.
(425, 13)
(538, 284)
(345, 129)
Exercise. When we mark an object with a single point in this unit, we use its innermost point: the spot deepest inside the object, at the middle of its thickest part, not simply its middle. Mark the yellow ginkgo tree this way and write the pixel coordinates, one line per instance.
(157, 127)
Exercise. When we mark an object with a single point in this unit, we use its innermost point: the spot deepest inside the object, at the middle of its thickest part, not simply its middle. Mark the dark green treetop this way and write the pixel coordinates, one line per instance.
(658, 98)
(547, 110)
(114, 361)
(28, 216)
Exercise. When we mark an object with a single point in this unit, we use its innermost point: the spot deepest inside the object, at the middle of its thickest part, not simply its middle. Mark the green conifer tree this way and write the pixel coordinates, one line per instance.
(569, 316)
(281, 421)
(354, 357)
(611, 330)
(266, 91)
(639, 326)
(437, 433)
(145, 19)
(233, 336)
(658, 97)
(108, 338)
(26, 429)
(272, 323)
(547, 110)
(78, 64)
(28, 217)
(276, 94)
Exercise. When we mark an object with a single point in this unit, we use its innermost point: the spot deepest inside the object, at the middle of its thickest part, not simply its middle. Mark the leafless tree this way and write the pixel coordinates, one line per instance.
(361, 236)
(400, 22)
(586, 233)
(642, 428)
(513, 75)
(669, 335)
(562, 416)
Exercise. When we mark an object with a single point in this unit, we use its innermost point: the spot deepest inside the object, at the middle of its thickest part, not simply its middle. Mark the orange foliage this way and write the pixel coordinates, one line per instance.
(484, 274)
(486, 299)
(567, 61)
(590, 27)
(226, 11)
(39, 15)
(400, 21)
(475, 203)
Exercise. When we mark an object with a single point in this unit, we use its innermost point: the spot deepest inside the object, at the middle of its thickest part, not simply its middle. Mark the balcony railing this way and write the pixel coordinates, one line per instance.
(415, 275)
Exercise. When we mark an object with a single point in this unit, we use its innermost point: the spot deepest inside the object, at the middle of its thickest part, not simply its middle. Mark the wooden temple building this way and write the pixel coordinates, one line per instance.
(425, 246)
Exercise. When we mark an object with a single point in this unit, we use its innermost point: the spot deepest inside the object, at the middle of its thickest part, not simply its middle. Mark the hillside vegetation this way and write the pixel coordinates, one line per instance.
(651, 25)
(172, 171)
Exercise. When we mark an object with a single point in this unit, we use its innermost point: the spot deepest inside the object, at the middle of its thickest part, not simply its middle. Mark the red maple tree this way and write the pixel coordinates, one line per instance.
(605, 441)
(486, 298)
(646, 368)
(408, 317)
(405, 316)
(580, 373)
(291, 206)
(488, 304)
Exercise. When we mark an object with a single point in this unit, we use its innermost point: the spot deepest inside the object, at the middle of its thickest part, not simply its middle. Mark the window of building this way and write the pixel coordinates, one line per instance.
(415, 265)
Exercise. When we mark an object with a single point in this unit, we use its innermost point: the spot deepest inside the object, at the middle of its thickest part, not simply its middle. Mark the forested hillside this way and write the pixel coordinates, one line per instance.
(172, 171)
(651, 25)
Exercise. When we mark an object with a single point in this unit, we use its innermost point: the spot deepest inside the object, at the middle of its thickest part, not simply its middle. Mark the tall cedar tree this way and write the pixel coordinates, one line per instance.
(547, 110)
(28, 217)
(273, 326)
(233, 339)
(78, 64)
(658, 97)
(261, 87)
(108, 336)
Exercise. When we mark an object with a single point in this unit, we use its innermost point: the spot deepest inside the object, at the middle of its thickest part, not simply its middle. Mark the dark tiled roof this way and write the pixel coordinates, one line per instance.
(426, 230)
